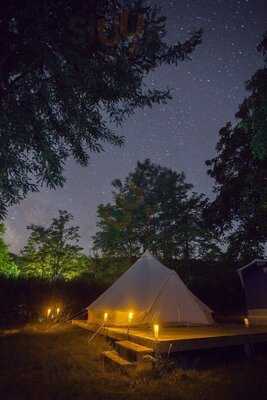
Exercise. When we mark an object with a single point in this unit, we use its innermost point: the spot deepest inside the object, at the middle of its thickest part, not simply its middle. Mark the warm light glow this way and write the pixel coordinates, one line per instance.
(58, 310)
(246, 322)
(48, 312)
(130, 317)
(156, 330)
(105, 317)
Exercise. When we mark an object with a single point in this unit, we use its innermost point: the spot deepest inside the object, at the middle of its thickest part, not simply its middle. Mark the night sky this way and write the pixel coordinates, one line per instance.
(181, 135)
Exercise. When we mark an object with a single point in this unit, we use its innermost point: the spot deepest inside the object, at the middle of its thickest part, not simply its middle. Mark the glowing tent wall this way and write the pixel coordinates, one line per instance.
(152, 293)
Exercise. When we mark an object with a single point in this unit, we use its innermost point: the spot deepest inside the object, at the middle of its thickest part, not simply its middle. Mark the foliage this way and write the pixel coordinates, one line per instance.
(27, 299)
(256, 106)
(8, 268)
(239, 208)
(155, 209)
(62, 86)
(107, 269)
(240, 171)
(52, 253)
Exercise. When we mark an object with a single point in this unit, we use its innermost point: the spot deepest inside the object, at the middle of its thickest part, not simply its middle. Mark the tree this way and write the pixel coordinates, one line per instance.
(240, 172)
(8, 268)
(155, 209)
(52, 253)
(69, 70)
(255, 107)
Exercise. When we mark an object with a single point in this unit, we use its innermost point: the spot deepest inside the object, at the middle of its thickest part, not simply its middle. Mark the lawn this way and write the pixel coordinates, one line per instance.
(37, 363)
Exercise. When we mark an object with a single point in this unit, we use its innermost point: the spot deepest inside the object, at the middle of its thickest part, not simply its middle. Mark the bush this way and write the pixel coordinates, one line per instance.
(23, 300)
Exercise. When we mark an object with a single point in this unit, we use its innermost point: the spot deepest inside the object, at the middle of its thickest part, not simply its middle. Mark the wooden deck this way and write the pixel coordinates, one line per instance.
(177, 339)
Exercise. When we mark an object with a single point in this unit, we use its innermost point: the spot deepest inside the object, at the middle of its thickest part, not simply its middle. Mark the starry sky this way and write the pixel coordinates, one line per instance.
(182, 134)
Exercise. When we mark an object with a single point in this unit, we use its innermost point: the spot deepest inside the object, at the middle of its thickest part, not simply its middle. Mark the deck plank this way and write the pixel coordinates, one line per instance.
(138, 348)
(115, 358)
(189, 338)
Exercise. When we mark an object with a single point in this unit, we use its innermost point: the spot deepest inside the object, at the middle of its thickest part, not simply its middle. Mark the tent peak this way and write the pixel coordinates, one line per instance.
(147, 254)
(153, 292)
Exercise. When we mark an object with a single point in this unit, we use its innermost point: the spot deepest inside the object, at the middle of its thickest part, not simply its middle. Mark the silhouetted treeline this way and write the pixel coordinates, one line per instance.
(23, 300)
(27, 300)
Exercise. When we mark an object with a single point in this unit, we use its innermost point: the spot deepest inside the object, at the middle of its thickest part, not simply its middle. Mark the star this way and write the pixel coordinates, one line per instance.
(181, 134)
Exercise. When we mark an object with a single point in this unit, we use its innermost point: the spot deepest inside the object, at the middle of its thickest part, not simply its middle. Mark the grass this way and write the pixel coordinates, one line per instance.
(37, 363)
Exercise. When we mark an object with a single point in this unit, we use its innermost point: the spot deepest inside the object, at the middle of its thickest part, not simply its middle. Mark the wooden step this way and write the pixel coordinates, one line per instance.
(132, 351)
(112, 358)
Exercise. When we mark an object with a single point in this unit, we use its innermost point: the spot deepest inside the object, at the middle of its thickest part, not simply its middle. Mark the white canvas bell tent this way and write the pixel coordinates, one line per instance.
(149, 292)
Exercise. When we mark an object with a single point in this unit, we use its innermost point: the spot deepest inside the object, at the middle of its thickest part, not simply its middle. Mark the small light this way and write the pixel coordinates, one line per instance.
(246, 322)
(58, 310)
(156, 330)
(130, 317)
(48, 312)
(105, 317)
